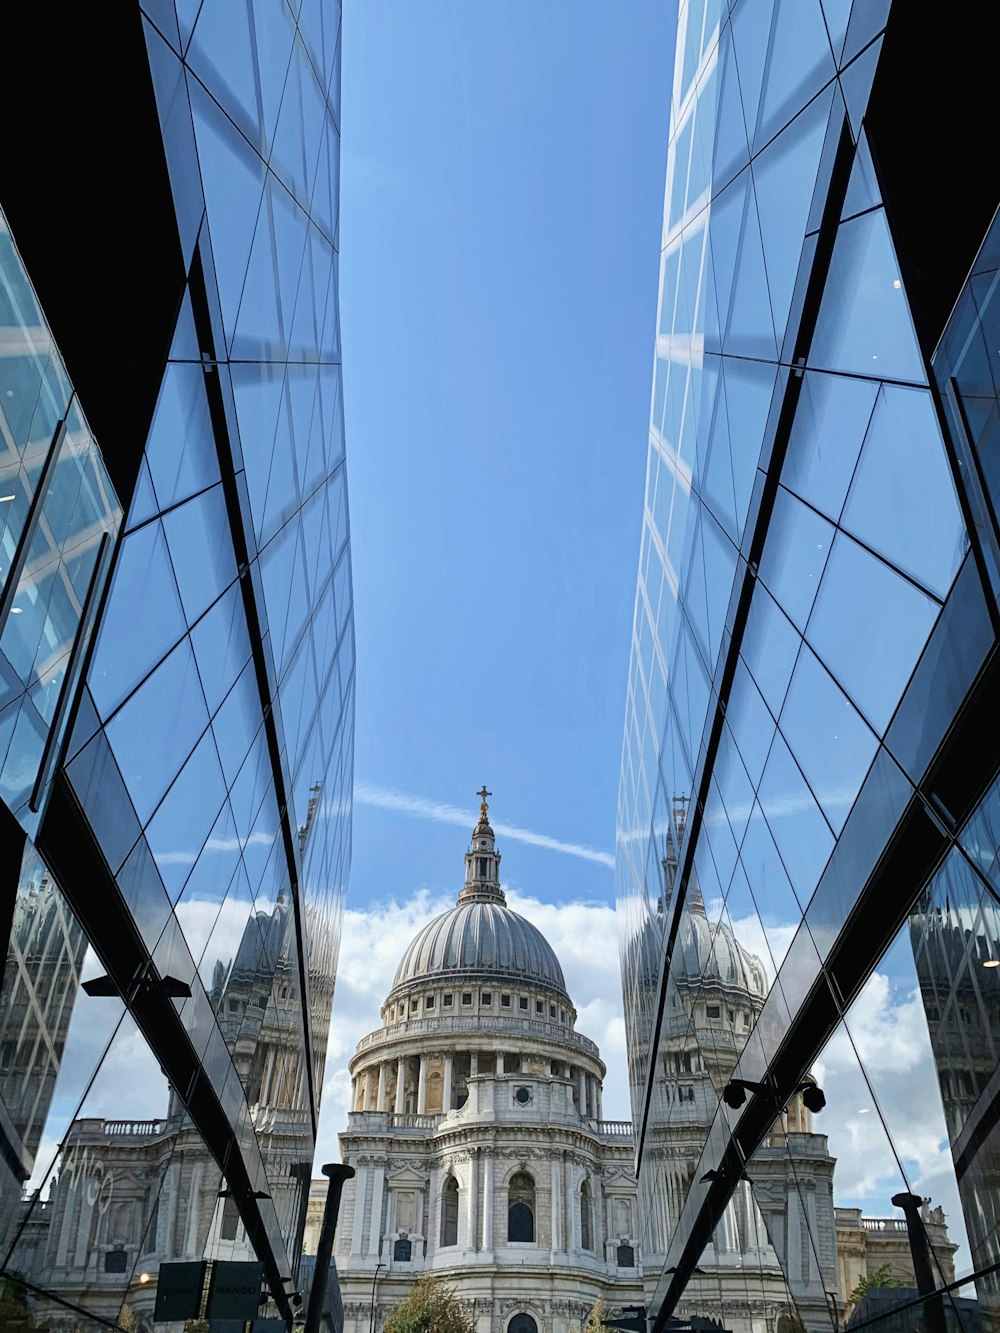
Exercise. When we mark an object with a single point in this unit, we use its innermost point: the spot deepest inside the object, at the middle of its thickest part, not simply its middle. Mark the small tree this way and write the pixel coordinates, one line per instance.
(597, 1314)
(882, 1277)
(431, 1307)
(14, 1312)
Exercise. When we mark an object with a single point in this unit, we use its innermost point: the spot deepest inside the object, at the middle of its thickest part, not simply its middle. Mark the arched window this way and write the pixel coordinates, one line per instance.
(586, 1229)
(521, 1208)
(626, 1256)
(522, 1323)
(449, 1212)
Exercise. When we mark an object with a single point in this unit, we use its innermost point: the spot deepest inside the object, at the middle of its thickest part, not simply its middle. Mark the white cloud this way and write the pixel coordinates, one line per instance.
(584, 936)
(889, 1032)
(384, 798)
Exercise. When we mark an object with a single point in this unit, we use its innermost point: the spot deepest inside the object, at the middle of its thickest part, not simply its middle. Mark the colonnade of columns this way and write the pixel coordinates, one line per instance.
(370, 1090)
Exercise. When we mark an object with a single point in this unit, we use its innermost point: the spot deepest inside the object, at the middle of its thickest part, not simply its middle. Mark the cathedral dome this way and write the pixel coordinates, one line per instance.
(481, 937)
(706, 954)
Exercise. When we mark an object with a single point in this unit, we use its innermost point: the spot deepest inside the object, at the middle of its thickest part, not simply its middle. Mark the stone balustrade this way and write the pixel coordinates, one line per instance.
(442, 1027)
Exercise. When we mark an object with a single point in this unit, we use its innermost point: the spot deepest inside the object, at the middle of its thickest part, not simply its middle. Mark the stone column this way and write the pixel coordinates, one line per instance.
(473, 1064)
(264, 1096)
(499, 1062)
(375, 1222)
(582, 1086)
(556, 1206)
(488, 1202)
(400, 1085)
(358, 1229)
(380, 1103)
(474, 1199)
(422, 1087)
(194, 1199)
(600, 1102)
(446, 1103)
(793, 1236)
(363, 1092)
(524, 1063)
(569, 1205)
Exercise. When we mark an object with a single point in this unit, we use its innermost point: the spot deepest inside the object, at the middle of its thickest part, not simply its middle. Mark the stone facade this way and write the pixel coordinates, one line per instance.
(866, 1244)
(477, 1134)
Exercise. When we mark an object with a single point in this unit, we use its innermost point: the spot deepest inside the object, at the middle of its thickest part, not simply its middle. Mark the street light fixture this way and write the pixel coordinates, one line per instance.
(371, 1319)
(734, 1094)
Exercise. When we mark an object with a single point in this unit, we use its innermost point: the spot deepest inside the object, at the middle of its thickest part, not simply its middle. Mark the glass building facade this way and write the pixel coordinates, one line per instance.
(176, 651)
(809, 815)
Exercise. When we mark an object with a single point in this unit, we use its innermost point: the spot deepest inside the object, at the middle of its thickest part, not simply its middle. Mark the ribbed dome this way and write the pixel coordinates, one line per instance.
(481, 936)
(702, 954)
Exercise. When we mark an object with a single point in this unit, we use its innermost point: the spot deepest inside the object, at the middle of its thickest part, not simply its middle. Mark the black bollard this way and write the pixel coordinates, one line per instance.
(337, 1173)
(923, 1264)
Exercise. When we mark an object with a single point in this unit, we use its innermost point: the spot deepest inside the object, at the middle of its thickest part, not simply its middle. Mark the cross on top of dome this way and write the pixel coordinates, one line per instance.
(484, 809)
(482, 860)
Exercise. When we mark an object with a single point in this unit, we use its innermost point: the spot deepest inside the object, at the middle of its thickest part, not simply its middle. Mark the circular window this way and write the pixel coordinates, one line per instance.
(482, 842)
(522, 1096)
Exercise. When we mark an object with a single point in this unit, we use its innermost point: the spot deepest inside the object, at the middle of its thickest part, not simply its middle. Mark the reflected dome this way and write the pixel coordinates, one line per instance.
(706, 952)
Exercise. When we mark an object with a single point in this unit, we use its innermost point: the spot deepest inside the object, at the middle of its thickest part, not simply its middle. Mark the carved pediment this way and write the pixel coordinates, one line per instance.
(619, 1182)
(407, 1178)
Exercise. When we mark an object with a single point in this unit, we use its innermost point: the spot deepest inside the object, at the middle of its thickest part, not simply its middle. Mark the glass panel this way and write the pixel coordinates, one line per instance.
(800, 831)
(856, 82)
(148, 755)
(831, 420)
(731, 140)
(178, 829)
(181, 452)
(141, 621)
(864, 326)
(784, 179)
(798, 543)
(862, 188)
(769, 885)
(233, 179)
(902, 501)
(750, 331)
(222, 55)
(751, 24)
(827, 737)
(201, 550)
(885, 613)
(769, 648)
(799, 63)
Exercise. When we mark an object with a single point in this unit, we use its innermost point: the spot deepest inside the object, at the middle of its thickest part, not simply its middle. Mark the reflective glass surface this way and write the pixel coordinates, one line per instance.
(58, 515)
(809, 619)
(210, 756)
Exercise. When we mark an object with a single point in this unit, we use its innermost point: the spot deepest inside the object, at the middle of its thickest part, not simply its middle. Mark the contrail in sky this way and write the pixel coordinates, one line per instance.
(383, 798)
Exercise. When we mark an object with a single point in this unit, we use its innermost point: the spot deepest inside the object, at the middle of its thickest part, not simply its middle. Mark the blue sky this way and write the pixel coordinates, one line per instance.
(502, 187)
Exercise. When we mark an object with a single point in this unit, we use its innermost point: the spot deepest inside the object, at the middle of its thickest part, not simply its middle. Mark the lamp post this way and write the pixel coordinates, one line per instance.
(371, 1320)
(337, 1173)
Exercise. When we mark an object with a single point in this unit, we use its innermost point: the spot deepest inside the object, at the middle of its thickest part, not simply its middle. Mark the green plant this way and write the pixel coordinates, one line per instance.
(881, 1277)
(14, 1312)
(431, 1307)
(599, 1312)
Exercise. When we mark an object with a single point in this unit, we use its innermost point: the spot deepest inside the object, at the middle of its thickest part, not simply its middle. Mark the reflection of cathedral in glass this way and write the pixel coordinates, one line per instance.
(39, 984)
(176, 653)
(136, 1192)
(716, 993)
(955, 932)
